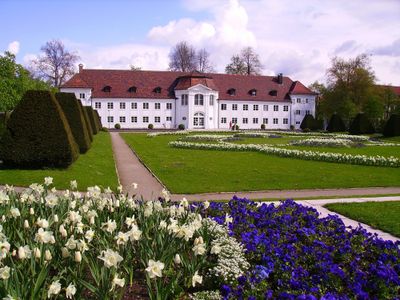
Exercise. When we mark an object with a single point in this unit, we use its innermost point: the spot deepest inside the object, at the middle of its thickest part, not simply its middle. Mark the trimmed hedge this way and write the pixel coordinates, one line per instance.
(308, 122)
(392, 126)
(38, 135)
(92, 121)
(86, 117)
(76, 120)
(336, 124)
(361, 125)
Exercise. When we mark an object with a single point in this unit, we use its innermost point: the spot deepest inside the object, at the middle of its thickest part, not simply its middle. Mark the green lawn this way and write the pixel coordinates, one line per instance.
(381, 215)
(96, 167)
(200, 171)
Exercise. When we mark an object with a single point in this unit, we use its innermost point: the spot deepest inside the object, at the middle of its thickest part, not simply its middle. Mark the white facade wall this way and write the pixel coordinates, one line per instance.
(255, 117)
(79, 92)
(301, 105)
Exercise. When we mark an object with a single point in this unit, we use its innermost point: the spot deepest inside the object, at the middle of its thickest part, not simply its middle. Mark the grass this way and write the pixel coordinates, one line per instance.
(95, 167)
(381, 215)
(201, 171)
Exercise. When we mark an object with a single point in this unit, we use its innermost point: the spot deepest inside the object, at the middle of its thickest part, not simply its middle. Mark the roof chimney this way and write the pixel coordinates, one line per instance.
(80, 68)
(280, 78)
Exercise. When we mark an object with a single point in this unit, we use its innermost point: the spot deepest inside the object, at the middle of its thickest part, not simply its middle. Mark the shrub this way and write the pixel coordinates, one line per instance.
(262, 126)
(105, 129)
(92, 121)
(151, 126)
(336, 124)
(392, 126)
(181, 127)
(86, 117)
(361, 125)
(74, 114)
(38, 134)
(117, 126)
(308, 123)
(98, 119)
(291, 127)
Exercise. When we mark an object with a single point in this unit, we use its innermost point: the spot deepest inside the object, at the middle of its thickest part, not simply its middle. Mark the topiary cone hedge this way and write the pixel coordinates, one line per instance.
(92, 118)
(87, 121)
(336, 124)
(308, 123)
(98, 119)
(392, 126)
(361, 125)
(76, 120)
(38, 134)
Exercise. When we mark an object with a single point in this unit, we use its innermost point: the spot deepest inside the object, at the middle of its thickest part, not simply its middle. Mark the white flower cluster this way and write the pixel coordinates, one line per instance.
(359, 138)
(206, 137)
(377, 160)
(206, 295)
(181, 132)
(324, 142)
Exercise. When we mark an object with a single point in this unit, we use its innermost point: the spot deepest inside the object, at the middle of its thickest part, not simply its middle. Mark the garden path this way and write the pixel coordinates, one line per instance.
(131, 170)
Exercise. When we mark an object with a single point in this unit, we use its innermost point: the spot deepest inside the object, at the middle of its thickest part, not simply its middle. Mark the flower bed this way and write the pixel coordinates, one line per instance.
(324, 142)
(206, 137)
(379, 161)
(71, 246)
(296, 255)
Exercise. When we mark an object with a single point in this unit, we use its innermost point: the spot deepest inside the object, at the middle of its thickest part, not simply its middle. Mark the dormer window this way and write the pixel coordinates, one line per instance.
(253, 92)
(107, 89)
(132, 89)
(273, 93)
(231, 92)
(157, 90)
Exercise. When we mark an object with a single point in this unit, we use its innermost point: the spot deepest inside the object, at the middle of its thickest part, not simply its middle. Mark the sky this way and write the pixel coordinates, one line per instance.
(297, 38)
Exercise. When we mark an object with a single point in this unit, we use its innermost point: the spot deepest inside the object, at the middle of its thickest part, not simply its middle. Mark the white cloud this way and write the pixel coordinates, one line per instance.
(13, 47)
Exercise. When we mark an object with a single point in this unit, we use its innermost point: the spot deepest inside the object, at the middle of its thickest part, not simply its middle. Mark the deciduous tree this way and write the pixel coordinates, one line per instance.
(182, 58)
(204, 64)
(246, 63)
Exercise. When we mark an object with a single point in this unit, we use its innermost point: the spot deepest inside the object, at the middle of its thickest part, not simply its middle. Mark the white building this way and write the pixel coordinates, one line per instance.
(135, 99)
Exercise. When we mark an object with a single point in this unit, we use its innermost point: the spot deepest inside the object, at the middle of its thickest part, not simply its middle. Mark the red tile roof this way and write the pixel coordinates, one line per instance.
(146, 81)
(395, 89)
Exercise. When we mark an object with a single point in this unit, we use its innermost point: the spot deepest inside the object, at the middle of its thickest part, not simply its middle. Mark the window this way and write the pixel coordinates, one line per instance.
(223, 120)
(122, 105)
(273, 93)
(134, 105)
(275, 120)
(82, 96)
(245, 107)
(297, 112)
(184, 99)
(223, 106)
(122, 119)
(265, 107)
(199, 99)
(245, 120)
(265, 120)
(169, 105)
(253, 92)
(255, 107)
(145, 119)
(255, 120)
(157, 119)
(132, 89)
(276, 108)
(157, 105)
(157, 90)
(110, 105)
(110, 119)
(285, 108)
(107, 89)
(145, 105)
(234, 106)
(231, 92)
(307, 112)
(285, 121)
(134, 119)
(306, 100)
(298, 100)
(169, 119)
(97, 105)
(211, 100)
(297, 122)
(234, 120)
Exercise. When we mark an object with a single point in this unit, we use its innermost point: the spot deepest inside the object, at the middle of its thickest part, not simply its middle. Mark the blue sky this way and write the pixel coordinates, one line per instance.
(298, 38)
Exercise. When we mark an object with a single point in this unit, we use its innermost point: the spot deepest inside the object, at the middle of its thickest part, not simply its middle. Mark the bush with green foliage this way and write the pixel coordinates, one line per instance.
(87, 121)
(151, 126)
(235, 127)
(76, 120)
(181, 127)
(361, 125)
(262, 126)
(392, 126)
(37, 134)
(308, 122)
(336, 124)
(92, 121)
(117, 126)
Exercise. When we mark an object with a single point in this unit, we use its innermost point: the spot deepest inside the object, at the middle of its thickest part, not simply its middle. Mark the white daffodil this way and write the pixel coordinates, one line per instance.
(78, 256)
(184, 202)
(73, 184)
(51, 200)
(216, 249)
(89, 235)
(71, 243)
(109, 226)
(177, 259)
(163, 225)
(24, 252)
(5, 273)
(62, 231)
(26, 224)
(228, 219)
(110, 258)
(15, 213)
(44, 237)
(70, 291)
(74, 217)
(4, 197)
(64, 252)
(37, 253)
(196, 279)
(48, 181)
(134, 233)
(122, 238)
(154, 268)
(54, 289)
(129, 221)
(117, 282)
(42, 223)
(47, 255)
(206, 204)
